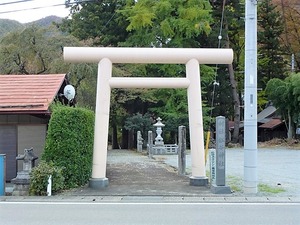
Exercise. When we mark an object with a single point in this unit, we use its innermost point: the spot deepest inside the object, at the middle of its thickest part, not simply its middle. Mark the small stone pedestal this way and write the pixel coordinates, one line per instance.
(198, 181)
(98, 183)
(21, 184)
(22, 181)
(216, 189)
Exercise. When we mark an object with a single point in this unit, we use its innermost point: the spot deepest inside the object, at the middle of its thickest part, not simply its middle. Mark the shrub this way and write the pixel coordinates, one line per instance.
(39, 178)
(69, 143)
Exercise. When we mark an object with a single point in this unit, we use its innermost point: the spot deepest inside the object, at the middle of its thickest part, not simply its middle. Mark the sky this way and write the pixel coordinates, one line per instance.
(31, 10)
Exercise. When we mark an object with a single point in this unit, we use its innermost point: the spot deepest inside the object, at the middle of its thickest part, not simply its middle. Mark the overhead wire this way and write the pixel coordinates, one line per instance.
(38, 7)
(20, 1)
(215, 81)
(219, 46)
(33, 8)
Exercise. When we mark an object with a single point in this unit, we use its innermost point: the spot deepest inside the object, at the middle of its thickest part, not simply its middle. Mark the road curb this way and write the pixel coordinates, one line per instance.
(146, 199)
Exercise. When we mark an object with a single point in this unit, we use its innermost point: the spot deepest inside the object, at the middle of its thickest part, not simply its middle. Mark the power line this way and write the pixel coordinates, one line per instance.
(216, 68)
(39, 7)
(8, 3)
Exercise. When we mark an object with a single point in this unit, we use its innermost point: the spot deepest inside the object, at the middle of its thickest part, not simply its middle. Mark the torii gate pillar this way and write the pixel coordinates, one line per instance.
(188, 56)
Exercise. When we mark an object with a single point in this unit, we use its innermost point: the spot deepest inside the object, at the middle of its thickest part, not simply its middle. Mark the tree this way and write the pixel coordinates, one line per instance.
(225, 97)
(285, 95)
(23, 52)
(138, 122)
(271, 63)
(167, 23)
(37, 50)
(290, 11)
(147, 23)
(97, 21)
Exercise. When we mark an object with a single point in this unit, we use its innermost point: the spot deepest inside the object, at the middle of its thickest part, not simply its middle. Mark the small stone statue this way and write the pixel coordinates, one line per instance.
(139, 142)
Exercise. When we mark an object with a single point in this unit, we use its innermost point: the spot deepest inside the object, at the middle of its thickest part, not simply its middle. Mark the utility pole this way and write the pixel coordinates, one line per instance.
(250, 121)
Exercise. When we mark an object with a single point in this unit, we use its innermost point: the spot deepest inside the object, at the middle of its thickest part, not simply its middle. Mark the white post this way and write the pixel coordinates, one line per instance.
(198, 177)
(98, 179)
(49, 186)
(250, 120)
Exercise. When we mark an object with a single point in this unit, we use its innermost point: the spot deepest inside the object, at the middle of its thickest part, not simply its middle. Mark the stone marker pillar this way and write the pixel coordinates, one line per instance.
(139, 141)
(181, 150)
(220, 186)
(150, 143)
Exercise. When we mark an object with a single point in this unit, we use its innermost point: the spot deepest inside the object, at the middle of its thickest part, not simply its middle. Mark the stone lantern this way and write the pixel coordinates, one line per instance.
(159, 141)
(22, 181)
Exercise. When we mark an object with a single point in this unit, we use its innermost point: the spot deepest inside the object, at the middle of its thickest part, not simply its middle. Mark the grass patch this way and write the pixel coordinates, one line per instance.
(235, 183)
(268, 189)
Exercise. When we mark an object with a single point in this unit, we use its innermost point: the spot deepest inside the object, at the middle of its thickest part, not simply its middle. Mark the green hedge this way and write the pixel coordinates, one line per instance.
(39, 178)
(69, 143)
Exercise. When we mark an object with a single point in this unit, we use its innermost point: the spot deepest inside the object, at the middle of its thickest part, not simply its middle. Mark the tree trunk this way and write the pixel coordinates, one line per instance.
(236, 101)
(290, 130)
(115, 144)
(131, 143)
(124, 139)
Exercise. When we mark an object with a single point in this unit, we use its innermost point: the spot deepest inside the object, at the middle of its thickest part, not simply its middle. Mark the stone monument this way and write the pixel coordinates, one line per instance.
(139, 141)
(219, 184)
(22, 181)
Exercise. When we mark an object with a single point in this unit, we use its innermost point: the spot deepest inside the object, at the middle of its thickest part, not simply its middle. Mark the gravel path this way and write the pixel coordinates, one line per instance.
(134, 174)
(276, 168)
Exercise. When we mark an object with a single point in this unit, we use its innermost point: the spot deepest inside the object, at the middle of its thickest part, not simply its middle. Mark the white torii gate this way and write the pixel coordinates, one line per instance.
(105, 57)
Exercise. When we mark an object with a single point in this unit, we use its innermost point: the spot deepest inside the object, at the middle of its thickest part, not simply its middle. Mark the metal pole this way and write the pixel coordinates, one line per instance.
(250, 120)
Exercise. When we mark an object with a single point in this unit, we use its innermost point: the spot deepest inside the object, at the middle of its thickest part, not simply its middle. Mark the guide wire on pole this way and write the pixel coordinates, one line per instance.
(215, 81)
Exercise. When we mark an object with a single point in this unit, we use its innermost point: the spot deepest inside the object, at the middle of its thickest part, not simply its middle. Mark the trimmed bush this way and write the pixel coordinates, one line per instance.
(69, 143)
(39, 178)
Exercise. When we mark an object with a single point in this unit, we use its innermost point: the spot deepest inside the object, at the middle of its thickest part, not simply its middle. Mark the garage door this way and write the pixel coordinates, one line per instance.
(8, 146)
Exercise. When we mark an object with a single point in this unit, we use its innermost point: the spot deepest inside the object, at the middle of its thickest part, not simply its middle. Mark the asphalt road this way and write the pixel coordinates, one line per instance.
(23, 213)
